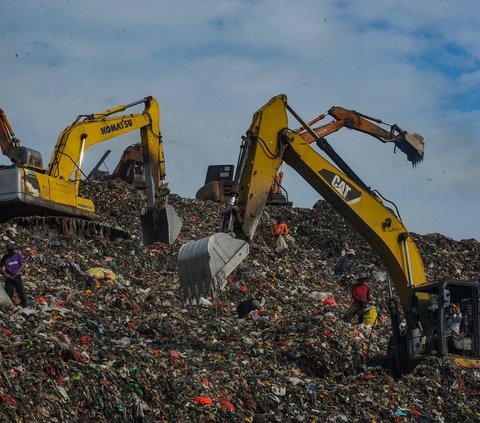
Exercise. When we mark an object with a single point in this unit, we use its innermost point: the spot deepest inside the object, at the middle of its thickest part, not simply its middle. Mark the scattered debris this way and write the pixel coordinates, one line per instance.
(106, 337)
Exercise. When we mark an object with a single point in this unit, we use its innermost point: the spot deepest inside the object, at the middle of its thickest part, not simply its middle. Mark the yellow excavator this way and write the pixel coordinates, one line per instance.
(27, 189)
(204, 264)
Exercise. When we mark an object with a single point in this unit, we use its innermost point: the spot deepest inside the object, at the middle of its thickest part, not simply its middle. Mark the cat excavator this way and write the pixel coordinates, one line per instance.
(29, 190)
(205, 264)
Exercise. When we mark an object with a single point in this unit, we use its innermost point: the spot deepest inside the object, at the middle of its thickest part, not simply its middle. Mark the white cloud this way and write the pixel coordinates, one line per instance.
(212, 64)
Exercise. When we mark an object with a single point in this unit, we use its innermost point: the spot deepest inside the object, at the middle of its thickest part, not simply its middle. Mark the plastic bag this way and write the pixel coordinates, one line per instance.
(280, 245)
(5, 301)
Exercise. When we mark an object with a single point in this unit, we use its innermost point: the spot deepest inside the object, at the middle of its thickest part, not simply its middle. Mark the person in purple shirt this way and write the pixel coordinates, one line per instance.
(13, 265)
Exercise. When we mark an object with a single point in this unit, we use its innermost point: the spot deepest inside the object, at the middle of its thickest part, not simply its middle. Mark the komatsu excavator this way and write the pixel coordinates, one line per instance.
(205, 264)
(27, 189)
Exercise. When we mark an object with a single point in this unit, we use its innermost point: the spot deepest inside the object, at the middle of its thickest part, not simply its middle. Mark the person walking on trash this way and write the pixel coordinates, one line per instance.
(13, 265)
(344, 264)
(361, 297)
(279, 232)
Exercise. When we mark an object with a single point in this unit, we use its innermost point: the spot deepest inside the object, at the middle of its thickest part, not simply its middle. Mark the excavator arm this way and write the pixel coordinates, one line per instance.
(8, 141)
(11, 148)
(267, 142)
(71, 144)
(409, 143)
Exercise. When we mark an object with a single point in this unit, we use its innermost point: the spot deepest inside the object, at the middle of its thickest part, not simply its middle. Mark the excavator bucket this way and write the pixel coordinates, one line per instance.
(413, 146)
(204, 265)
(160, 225)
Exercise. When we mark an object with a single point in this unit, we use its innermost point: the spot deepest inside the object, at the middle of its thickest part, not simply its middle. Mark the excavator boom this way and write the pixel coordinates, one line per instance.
(267, 143)
(8, 142)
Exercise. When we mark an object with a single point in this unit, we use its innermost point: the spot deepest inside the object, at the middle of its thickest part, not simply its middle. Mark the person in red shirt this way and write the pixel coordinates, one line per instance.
(361, 297)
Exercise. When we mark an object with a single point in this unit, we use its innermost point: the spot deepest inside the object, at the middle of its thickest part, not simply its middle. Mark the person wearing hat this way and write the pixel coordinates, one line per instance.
(13, 265)
(361, 296)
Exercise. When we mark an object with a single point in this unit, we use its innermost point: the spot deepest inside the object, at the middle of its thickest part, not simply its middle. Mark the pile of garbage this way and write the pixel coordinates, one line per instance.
(106, 338)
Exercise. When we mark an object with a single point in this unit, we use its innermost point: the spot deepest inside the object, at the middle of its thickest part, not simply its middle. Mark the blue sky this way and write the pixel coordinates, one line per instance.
(212, 64)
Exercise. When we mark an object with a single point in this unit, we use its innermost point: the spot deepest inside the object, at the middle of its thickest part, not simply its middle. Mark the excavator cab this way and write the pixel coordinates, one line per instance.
(219, 184)
(443, 320)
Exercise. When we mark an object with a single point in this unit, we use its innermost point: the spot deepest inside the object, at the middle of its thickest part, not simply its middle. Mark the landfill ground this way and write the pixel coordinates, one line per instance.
(106, 339)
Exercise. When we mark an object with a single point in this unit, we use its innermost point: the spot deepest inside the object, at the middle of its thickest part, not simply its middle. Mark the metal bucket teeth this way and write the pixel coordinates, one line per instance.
(204, 265)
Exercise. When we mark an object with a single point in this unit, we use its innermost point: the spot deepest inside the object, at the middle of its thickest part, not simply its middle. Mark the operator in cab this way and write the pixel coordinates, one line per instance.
(453, 320)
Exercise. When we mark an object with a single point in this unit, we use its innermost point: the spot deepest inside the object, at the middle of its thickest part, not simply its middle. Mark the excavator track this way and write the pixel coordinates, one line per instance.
(52, 227)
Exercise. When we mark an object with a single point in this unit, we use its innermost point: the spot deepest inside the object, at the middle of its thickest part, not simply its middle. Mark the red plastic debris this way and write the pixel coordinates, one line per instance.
(327, 333)
(7, 399)
(226, 404)
(75, 355)
(203, 400)
(329, 301)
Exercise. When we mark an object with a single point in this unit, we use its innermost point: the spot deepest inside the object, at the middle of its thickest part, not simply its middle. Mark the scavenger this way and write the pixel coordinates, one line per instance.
(13, 265)
(361, 297)
(279, 232)
(343, 266)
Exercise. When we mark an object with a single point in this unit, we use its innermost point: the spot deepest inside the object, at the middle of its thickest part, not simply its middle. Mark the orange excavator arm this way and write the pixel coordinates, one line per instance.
(10, 144)
(8, 141)
(411, 144)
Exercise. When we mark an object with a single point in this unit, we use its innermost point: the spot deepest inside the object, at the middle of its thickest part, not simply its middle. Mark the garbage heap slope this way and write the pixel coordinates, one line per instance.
(106, 339)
